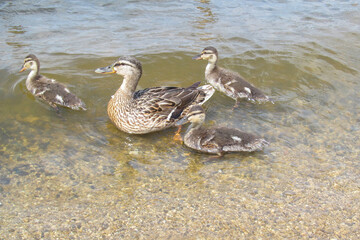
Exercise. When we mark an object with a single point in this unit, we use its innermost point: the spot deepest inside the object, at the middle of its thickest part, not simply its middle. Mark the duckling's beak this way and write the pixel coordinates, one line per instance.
(108, 69)
(197, 57)
(182, 121)
(23, 68)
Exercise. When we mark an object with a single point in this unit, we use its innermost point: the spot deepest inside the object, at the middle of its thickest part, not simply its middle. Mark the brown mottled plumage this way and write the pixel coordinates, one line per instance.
(226, 81)
(151, 109)
(217, 140)
(52, 92)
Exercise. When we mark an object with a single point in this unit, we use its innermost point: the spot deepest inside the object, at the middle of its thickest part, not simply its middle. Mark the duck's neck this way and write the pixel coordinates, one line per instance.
(32, 77)
(210, 67)
(128, 86)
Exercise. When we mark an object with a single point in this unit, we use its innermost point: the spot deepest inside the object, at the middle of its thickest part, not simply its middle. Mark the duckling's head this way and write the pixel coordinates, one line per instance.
(124, 66)
(195, 115)
(30, 62)
(208, 53)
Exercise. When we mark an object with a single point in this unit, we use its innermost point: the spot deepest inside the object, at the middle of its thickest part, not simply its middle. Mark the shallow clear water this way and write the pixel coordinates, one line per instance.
(76, 175)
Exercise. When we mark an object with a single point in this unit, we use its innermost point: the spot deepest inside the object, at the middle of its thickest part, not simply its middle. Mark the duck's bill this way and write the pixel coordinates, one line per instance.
(22, 69)
(108, 69)
(182, 121)
(197, 57)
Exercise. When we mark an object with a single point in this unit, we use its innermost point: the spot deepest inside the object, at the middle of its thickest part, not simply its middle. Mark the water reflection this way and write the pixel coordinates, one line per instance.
(207, 17)
(16, 29)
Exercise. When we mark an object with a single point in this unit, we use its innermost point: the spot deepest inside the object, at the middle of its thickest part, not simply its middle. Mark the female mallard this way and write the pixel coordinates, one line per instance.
(217, 140)
(228, 82)
(52, 92)
(151, 109)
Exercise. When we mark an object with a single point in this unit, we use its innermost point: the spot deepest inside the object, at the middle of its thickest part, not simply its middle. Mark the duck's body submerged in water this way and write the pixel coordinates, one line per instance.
(151, 109)
(217, 140)
(228, 82)
(49, 90)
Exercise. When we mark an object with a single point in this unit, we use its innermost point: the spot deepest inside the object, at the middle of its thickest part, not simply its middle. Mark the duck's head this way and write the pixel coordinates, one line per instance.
(195, 115)
(30, 62)
(208, 53)
(124, 66)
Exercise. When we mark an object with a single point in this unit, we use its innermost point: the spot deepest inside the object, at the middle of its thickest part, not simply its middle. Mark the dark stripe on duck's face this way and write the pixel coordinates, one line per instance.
(130, 61)
(207, 52)
(203, 54)
(210, 49)
(123, 64)
(126, 63)
(110, 69)
(194, 113)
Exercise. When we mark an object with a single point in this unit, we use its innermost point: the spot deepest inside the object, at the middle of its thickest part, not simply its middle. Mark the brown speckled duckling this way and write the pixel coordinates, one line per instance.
(217, 140)
(228, 82)
(52, 92)
(150, 109)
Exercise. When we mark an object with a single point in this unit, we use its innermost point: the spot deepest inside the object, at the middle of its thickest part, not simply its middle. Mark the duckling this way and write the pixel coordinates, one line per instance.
(217, 140)
(150, 109)
(49, 90)
(228, 82)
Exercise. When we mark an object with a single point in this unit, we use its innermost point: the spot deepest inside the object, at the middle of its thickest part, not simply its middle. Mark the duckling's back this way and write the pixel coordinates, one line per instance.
(219, 140)
(55, 93)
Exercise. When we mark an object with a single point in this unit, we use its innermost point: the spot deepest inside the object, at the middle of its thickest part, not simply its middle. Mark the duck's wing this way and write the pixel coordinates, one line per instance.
(232, 140)
(56, 93)
(165, 102)
(203, 139)
(238, 87)
(207, 139)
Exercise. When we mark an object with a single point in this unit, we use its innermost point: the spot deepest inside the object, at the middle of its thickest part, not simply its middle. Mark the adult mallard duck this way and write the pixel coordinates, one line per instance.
(49, 90)
(226, 81)
(217, 140)
(150, 109)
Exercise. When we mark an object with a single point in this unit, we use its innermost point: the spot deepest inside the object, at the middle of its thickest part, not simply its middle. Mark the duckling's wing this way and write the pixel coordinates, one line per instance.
(233, 140)
(168, 102)
(235, 84)
(206, 140)
(56, 93)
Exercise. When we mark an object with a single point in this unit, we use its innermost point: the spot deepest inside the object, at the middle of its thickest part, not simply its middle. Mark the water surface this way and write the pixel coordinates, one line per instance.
(76, 175)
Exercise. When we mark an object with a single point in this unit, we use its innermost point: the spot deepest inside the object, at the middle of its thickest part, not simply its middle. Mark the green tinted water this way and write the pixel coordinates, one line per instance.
(76, 175)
